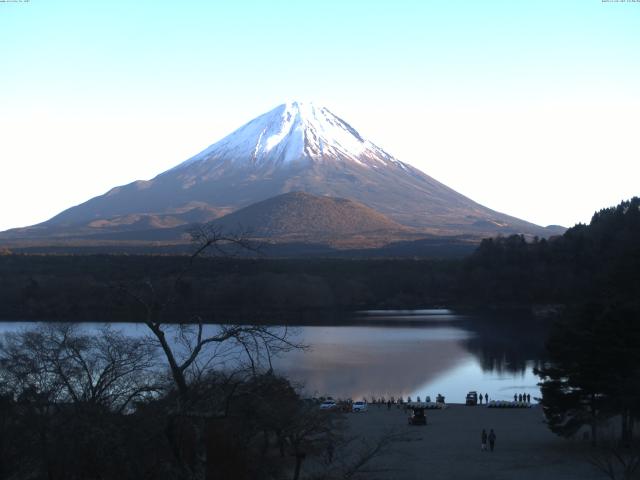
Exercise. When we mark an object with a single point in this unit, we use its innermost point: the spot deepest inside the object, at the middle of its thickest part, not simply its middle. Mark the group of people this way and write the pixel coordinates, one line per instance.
(491, 437)
(486, 398)
(522, 397)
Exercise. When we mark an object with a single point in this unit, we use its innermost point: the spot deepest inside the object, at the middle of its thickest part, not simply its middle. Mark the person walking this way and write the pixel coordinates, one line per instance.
(483, 438)
(492, 439)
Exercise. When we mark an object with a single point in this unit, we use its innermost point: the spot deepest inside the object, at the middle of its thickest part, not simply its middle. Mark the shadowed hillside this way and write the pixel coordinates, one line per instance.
(303, 215)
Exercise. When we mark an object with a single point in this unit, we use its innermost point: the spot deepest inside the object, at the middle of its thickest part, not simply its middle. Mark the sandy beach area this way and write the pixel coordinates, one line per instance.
(448, 447)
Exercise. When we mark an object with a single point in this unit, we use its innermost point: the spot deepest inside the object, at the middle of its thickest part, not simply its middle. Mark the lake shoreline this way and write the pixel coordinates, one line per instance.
(310, 317)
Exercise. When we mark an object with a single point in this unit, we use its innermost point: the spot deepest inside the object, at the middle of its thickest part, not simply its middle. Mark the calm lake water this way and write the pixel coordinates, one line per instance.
(393, 353)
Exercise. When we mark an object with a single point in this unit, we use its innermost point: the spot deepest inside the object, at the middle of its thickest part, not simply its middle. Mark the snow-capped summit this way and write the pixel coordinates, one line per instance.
(295, 132)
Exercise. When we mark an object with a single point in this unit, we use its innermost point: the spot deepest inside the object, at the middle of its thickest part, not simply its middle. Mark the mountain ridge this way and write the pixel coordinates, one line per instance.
(294, 147)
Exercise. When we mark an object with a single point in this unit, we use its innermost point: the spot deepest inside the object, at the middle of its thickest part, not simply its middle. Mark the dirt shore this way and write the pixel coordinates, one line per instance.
(448, 447)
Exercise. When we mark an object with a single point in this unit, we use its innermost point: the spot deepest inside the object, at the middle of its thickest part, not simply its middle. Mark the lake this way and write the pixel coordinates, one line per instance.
(404, 353)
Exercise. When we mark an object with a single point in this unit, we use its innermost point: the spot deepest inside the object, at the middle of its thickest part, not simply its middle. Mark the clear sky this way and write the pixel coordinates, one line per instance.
(530, 107)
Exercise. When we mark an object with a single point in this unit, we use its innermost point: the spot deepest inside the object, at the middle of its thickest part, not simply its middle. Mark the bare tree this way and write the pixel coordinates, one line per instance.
(68, 366)
(354, 457)
(192, 349)
(309, 430)
(68, 392)
(184, 352)
(616, 460)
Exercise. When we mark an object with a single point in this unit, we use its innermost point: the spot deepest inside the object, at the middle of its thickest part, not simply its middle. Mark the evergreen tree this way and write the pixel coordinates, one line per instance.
(593, 370)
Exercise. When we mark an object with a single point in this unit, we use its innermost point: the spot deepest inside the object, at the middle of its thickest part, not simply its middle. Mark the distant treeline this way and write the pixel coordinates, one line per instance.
(97, 287)
(601, 260)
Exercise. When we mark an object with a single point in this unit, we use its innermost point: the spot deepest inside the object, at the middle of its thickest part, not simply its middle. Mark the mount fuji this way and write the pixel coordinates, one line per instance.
(296, 147)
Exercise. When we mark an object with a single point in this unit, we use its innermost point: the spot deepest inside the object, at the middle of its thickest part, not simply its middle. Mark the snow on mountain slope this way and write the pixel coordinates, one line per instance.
(293, 132)
(296, 147)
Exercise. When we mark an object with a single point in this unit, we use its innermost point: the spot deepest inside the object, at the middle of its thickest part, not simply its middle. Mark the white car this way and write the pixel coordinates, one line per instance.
(328, 405)
(359, 407)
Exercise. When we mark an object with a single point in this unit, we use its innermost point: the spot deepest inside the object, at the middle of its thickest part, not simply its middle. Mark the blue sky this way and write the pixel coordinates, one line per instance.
(529, 107)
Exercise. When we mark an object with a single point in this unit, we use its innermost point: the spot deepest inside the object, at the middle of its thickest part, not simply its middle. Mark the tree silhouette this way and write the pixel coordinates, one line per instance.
(593, 370)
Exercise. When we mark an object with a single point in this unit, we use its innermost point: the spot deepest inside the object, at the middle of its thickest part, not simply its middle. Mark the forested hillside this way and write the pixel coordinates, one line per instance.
(596, 261)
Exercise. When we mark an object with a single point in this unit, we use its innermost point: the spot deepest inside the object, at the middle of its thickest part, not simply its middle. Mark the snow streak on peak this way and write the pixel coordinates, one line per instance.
(294, 132)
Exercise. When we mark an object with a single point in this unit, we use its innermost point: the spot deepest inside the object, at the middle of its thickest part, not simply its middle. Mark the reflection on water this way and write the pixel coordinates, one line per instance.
(507, 345)
(430, 312)
(423, 352)
(415, 357)
(360, 361)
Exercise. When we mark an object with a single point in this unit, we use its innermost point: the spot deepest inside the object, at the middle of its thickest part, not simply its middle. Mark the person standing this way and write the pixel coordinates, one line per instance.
(486, 398)
(483, 438)
(480, 399)
(492, 439)
(330, 451)
(528, 398)
(515, 397)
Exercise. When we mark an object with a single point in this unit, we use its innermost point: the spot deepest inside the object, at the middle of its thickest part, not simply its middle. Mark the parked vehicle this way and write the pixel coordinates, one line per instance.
(472, 398)
(417, 416)
(328, 405)
(359, 407)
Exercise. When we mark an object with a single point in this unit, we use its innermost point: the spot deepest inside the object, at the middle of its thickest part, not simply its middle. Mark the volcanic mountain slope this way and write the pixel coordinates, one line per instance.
(290, 217)
(302, 216)
(294, 147)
